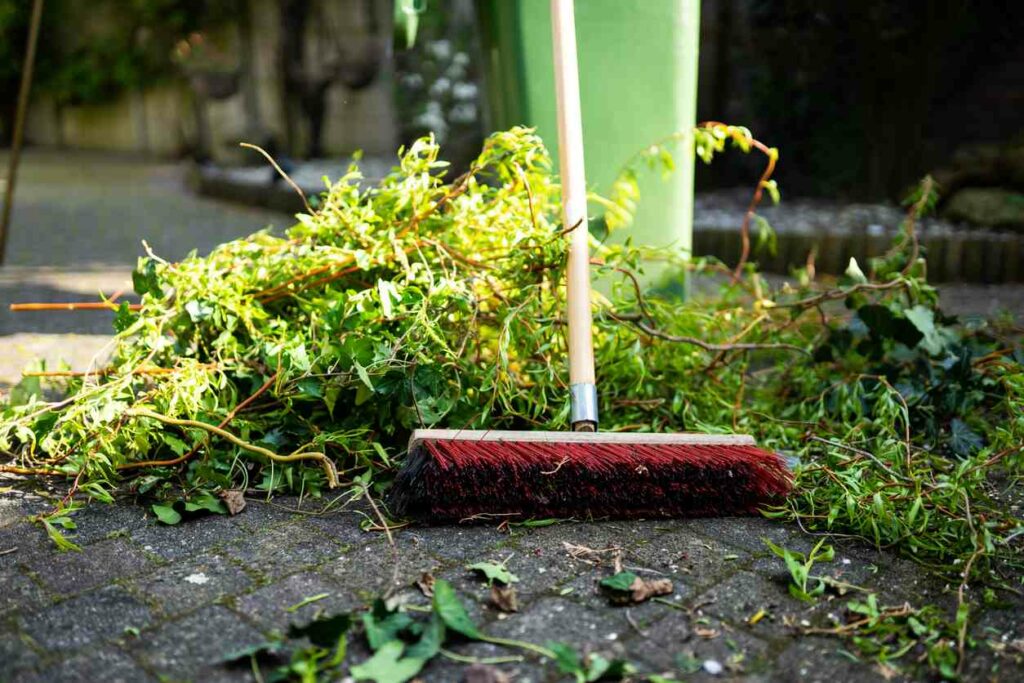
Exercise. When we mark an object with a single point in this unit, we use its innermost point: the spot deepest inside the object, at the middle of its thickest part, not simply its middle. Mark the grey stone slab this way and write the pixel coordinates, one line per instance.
(456, 543)
(98, 521)
(109, 664)
(188, 538)
(747, 533)
(340, 527)
(18, 592)
(369, 570)
(96, 565)
(817, 660)
(680, 641)
(687, 557)
(269, 605)
(191, 583)
(282, 550)
(95, 617)
(16, 657)
(16, 505)
(561, 620)
(260, 514)
(741, 596)
(179, 649)
(23, 542)
(530, 670)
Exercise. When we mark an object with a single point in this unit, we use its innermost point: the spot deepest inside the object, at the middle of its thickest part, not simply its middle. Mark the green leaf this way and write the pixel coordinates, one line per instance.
(388, 666)
(166, 514)
(383, 625)
(493, 571)
(620, 582)
(124, 318)
(567, 659)
(963, 440)
(429, 644)
(324, 631)
(363, 375)
(451, 611)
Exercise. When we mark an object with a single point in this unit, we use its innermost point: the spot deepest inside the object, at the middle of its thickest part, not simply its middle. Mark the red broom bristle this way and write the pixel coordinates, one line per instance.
(452, 479)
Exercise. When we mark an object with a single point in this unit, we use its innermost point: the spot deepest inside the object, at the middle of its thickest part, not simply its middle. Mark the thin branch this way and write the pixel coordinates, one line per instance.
(280, 171)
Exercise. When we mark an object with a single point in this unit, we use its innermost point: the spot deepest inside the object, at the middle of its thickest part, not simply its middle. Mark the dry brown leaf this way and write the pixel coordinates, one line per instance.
(642, 589)
(234, 499)
(426, 584)
(706, 633)
(484, 673)
(504, 598)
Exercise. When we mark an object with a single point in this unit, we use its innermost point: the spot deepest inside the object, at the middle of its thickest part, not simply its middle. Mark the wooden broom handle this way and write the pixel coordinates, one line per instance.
(574, 195)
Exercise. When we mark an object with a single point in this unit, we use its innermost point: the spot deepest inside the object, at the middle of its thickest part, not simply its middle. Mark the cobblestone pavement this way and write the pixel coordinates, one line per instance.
(144, 602)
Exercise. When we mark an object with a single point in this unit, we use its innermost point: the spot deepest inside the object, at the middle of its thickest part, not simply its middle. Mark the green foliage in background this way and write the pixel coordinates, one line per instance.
(283, 362)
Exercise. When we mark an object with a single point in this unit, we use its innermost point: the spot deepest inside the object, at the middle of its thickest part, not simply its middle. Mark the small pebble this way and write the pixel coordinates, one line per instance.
(712, 666)
(198, 579)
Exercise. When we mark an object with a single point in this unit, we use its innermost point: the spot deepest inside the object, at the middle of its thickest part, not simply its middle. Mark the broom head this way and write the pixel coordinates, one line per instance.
(452, 475)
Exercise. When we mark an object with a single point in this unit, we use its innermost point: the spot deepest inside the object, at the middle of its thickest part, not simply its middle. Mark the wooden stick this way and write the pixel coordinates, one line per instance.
(19, 122)
(574, 201)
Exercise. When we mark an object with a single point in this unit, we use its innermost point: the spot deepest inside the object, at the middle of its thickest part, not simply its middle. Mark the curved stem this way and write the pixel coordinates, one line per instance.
(325, 462)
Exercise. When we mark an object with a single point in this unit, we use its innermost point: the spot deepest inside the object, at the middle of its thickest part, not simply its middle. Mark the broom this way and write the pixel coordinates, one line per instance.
(457, 474)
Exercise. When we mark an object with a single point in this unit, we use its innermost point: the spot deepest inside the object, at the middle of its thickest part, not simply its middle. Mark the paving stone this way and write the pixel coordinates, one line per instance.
(18, 592)
(23, 542)
(531, 670)
(747, 533)
(457, 543)
(98, 521)
(188, 538)
(282, 550)
(561, 620)
(95, 617)
(368, 570)
(817, 660)
(95, 565)
(16, 505)
(687, 557)
(109, 665)
(16, 657)
(260, 515)
(178, 649)
(192, 583)
(340, 528)
(674, 644)
(743, 594)
(269, 605)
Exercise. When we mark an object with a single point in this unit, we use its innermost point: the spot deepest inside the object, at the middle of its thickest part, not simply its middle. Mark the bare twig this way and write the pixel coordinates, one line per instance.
(280, 171)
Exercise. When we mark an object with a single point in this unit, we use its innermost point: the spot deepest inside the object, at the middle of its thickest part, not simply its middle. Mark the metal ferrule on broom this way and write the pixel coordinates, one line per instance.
(582, 388)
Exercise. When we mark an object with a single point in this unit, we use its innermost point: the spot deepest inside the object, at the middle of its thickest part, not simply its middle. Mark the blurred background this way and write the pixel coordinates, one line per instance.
(137, 108)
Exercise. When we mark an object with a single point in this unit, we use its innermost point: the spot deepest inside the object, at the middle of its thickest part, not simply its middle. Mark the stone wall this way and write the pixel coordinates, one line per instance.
(175, 117)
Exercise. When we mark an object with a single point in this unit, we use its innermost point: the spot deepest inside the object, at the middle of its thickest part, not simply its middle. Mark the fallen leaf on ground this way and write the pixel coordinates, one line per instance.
(485, 673)
(627, 587)
(234, 500)
(504, 598)
(426, 584)
(706, 633)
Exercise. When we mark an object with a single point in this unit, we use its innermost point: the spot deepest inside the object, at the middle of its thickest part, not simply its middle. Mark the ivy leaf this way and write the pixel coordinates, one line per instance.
(383, 625)
(963, 440)
(451, 611)
(622, 582)
(430, 642)
(388, 666)
(566, 658)
(934, 340)
(206, 502)
(145, 279)
(323, 632)
(493, 571)
(167, 514)
(124, 318)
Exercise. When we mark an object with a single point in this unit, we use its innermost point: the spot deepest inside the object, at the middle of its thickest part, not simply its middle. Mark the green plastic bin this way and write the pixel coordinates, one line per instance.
(638, 84)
